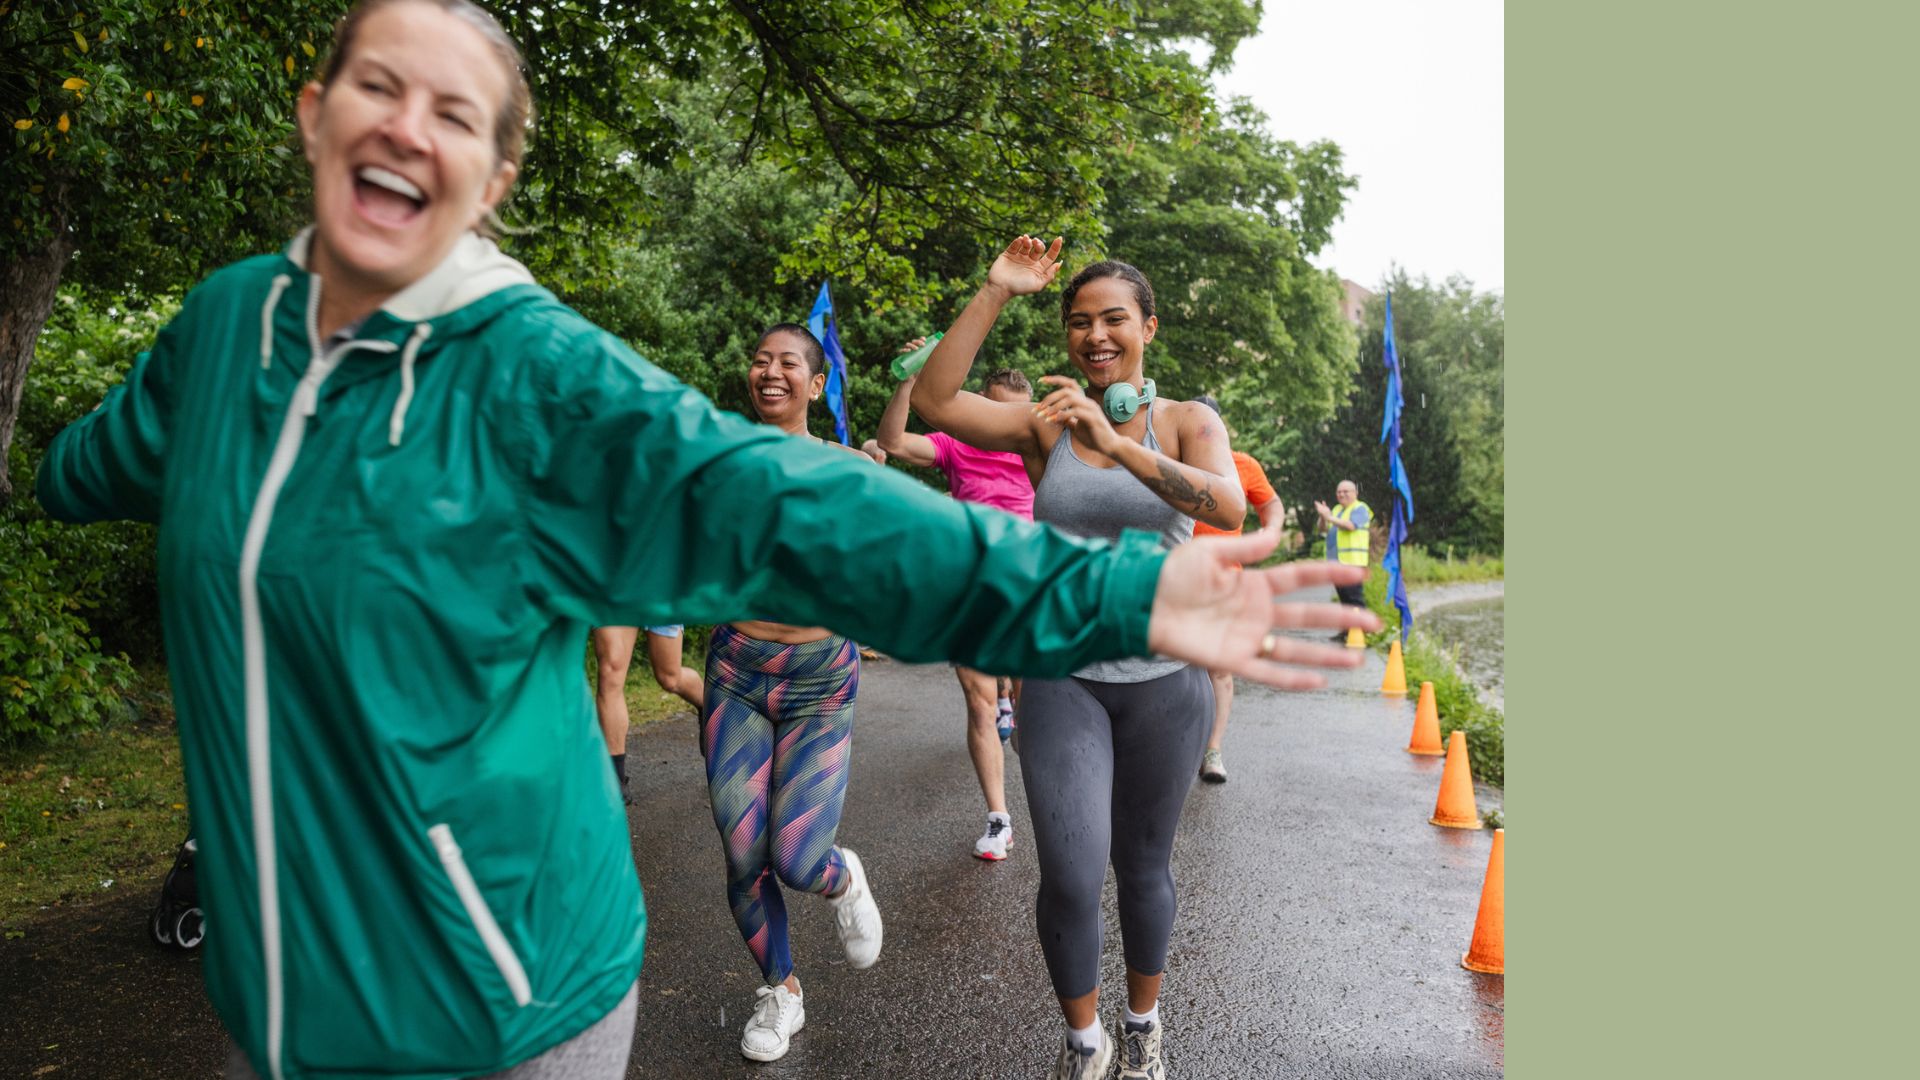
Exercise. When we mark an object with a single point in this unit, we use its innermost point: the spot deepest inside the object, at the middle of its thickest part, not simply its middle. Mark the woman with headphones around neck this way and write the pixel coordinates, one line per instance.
(1129, 460)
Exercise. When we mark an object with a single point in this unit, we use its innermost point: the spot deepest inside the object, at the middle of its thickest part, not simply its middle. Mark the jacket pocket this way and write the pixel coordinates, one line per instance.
(482, 918)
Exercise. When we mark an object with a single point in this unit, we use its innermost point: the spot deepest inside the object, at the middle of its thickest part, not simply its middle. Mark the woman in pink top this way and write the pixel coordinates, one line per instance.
(991, 478)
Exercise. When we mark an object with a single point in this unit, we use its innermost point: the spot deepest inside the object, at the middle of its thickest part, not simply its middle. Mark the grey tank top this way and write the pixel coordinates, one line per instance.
(1078, 498)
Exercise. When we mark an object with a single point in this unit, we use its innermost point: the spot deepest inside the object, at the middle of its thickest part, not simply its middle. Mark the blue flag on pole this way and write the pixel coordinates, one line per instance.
(1402, 493)
(823, 323)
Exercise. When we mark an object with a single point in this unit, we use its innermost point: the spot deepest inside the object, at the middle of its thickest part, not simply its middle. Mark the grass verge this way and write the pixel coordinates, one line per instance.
(92, 810)
(1458, 700)
(1422, 568)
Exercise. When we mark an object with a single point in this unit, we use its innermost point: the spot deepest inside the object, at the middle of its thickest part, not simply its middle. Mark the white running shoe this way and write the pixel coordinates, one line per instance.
(993, 846)
(856, 915)
(777, 1013)
(1077, 1064)
(1140, 1057)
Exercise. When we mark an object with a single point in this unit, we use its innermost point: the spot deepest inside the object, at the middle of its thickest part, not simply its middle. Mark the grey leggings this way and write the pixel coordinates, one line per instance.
(1107, 769)
(598, 1053)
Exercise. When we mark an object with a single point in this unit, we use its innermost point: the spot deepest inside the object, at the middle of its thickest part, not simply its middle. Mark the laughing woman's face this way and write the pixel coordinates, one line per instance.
(780, 382)
(402, 146)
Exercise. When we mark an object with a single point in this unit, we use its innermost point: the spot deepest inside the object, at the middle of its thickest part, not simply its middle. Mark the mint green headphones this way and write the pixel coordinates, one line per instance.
(1122, 400)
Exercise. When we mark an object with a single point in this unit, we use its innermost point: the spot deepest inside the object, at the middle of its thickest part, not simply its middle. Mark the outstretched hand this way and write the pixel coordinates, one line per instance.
(1209, 611)
(1027, 266)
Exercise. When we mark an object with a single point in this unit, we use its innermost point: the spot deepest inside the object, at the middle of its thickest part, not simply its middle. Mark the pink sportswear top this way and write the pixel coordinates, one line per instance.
(995, 478)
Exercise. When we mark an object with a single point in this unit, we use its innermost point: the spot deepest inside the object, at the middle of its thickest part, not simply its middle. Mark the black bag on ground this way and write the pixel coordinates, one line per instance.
(176, 922)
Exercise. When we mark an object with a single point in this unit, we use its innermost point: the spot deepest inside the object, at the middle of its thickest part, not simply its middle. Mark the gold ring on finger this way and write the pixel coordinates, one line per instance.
(1270, 645)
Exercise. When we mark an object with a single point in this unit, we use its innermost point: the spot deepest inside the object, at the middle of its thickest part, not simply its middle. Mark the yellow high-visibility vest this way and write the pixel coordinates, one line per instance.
(1351, 544)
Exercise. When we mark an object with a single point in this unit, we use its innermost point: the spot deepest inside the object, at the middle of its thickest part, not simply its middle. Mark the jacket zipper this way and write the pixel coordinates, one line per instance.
(305, 402)
(491, 935)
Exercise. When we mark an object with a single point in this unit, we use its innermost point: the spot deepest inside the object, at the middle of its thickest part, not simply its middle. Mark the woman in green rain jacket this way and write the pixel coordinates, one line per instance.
(390, 508)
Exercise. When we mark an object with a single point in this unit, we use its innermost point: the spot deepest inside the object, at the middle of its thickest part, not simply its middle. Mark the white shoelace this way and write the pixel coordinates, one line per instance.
(849, 915)
(770, 1008)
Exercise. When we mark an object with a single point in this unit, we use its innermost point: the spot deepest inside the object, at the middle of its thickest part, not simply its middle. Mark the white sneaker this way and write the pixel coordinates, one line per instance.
(1077, 1064)
(993, 846)
(777, 1013)
(856, 915)
(1140, 1057)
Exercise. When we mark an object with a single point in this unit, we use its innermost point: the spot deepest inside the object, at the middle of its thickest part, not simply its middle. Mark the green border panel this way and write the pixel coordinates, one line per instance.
(1710, 361)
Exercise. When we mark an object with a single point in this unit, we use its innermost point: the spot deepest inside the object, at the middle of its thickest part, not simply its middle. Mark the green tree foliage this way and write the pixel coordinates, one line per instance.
(147, 143)
(1223, 224)
(75, 603)
(156, 140)
(1452, 346)
(156, 136)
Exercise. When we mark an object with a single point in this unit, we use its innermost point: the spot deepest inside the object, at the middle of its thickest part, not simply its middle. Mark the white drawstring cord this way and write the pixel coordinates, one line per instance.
(399, 422)
(280, 283)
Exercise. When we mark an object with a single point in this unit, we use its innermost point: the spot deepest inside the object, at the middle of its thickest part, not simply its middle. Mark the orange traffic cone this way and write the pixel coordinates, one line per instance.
(1396, 680)
(1455, 808)
(1488, 952)
(1426, 725)
(1356, 639)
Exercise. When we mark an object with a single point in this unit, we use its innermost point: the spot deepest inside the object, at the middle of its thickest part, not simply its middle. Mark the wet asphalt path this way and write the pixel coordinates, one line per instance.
(1321, 926)
(1320, 930)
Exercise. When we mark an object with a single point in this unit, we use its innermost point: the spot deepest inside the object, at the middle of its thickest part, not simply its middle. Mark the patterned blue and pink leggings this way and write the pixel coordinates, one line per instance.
(776, 735)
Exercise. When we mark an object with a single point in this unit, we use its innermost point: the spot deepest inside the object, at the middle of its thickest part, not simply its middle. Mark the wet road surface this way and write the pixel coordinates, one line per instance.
(1320, 932)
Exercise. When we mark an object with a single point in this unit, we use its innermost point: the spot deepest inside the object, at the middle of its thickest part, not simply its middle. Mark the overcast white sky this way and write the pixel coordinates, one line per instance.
(1414, 93)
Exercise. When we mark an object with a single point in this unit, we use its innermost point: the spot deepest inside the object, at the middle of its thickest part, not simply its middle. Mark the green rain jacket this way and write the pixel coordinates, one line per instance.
(378, 561)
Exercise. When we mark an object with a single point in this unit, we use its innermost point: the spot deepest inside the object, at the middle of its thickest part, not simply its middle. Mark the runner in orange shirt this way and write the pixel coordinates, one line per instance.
(1265, 502)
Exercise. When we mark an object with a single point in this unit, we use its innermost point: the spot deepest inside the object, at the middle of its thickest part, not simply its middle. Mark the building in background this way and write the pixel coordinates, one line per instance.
(1354, 304)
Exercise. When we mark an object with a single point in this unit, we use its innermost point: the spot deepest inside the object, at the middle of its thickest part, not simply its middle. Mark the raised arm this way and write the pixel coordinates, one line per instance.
(1025, 267)
(895, 439)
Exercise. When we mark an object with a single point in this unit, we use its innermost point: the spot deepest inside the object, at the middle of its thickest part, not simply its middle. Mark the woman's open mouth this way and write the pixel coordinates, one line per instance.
(386, 197)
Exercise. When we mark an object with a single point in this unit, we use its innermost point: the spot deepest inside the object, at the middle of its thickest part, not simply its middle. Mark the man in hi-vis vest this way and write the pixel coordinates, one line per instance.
(1347, 537)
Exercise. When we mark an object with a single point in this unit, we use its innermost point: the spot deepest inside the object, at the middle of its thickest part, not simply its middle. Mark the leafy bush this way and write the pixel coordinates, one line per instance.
(78, 599)
(55, 674)
(84, 351)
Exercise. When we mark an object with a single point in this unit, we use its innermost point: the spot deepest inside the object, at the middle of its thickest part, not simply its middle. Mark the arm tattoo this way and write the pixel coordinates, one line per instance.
(1176, 487)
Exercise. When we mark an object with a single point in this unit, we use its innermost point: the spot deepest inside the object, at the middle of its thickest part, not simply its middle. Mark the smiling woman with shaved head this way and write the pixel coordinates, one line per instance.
(396, 481)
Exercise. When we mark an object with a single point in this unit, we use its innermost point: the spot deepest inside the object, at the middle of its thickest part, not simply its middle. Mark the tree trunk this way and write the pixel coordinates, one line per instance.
(28, 281)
